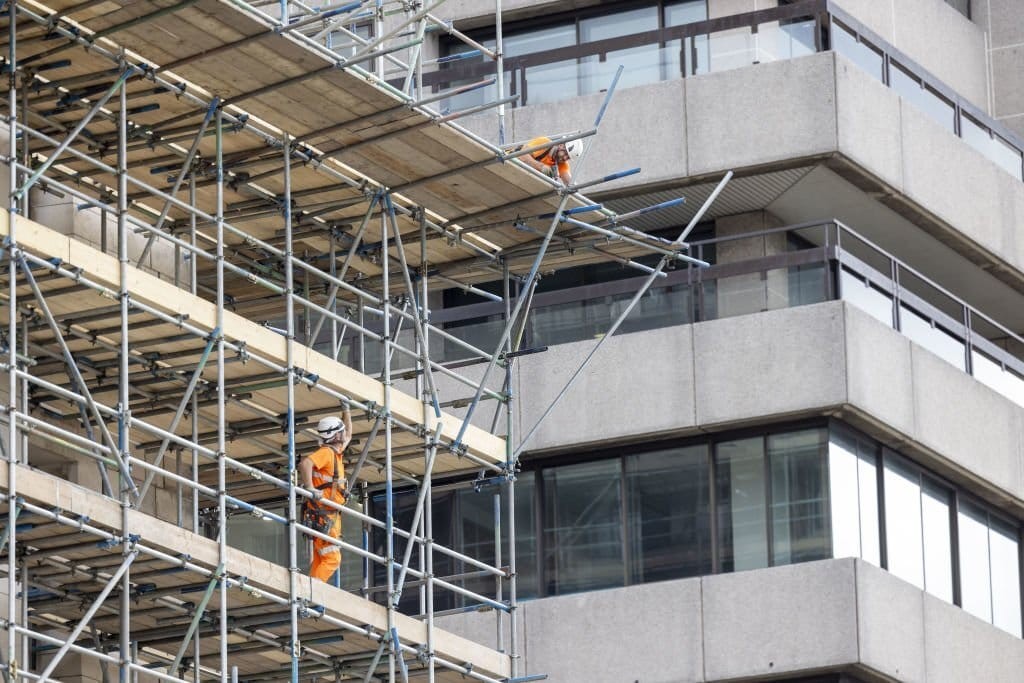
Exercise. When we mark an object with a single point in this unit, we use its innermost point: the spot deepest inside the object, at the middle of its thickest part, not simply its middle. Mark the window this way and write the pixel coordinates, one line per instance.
(756, 498)
(669, 514)
(583, 527)
(853, 491)
(990, 567)
(918, 533)
(584, 73)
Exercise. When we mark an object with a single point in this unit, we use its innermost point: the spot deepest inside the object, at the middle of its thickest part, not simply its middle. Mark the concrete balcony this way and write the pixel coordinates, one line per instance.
(823, 359)
(808, 137)
(835, 615)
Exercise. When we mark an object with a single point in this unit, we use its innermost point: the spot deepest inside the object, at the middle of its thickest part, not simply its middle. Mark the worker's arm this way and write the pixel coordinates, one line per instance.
(306, 476)
(565, 173)
(533, 163)
(346, 419)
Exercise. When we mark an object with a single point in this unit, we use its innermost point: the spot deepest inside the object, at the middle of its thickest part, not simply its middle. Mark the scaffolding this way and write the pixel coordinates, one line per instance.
(283, 203)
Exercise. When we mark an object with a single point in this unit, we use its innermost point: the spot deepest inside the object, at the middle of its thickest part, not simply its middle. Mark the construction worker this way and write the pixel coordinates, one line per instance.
(323, 474)
(544, 160)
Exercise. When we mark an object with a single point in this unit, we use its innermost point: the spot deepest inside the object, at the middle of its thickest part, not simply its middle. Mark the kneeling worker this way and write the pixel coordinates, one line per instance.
(545, 160)
(323, 474)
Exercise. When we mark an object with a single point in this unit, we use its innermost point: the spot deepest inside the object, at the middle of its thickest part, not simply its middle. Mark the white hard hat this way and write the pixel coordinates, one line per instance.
(574, 148)
(329, 427)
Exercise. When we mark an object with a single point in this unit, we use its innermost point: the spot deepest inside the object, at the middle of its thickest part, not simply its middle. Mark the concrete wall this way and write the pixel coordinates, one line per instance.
(1004, 22)
(934, 35)
(817, 107)
(831, 615)
(828, 358)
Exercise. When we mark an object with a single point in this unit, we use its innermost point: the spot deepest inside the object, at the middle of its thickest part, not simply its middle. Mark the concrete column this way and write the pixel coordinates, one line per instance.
(754, 292)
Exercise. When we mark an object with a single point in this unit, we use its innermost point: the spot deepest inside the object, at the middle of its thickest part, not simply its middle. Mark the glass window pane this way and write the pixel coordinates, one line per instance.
(742, 517)
(903, 522)
(669, 514)
(583, 527)
(867, 480)
(687, 12)
(1007, 156)
(642, 63)
(865, 297)
(853, 492)
(1005, 577)
(476, 529)
(994, 375)
(527, 580)
(975, 579)
(799, 507)
(845, 43)
(938, 549)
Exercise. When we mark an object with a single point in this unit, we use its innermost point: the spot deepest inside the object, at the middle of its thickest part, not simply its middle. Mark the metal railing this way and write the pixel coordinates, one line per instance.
(735, 41)
(825, 261)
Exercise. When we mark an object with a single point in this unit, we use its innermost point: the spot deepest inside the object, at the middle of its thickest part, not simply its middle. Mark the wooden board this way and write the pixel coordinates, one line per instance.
(50, 492)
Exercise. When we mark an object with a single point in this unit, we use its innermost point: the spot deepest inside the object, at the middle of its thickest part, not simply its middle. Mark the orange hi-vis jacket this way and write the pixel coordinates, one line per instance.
(326, 557)
(544, 155)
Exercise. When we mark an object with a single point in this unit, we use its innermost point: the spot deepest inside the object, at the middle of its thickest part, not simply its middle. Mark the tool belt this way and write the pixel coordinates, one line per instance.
(317, 518)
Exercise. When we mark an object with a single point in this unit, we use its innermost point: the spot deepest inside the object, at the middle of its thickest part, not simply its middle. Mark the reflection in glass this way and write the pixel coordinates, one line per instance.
(924, 98)
(903, 522)
(740, 486)
(932, 337)
(642, 63)
(938, 550)
(799, 507)
(997, 377)
(975, 581)
(872, 301)
(527, 580)
(583, 527)
(669, 514)
(1005, 577)
(853, 494)
(845, 42)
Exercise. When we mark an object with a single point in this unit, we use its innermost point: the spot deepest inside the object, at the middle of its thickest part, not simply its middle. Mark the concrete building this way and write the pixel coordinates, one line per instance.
(792, 467)
(799, 458)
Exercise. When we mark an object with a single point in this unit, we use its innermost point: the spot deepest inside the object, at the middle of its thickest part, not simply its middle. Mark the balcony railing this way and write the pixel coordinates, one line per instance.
(724, 43)
(825, 261)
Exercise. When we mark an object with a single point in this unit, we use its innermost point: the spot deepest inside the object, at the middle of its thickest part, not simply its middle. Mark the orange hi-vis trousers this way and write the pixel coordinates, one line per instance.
(326, 558)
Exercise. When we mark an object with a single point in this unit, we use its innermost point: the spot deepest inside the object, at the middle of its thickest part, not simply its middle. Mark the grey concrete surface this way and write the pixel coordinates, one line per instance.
(868, 114)
(960, 647)
(770, 623)
(879, 371)
(1007, 79)
(655, 111)
(649, 633)
(1004, 21)
(758, 366)
(978, 430)
(936, 160)
(655, 396)
(796, 104)
(958, 59)
(759, 623)
(890, 624)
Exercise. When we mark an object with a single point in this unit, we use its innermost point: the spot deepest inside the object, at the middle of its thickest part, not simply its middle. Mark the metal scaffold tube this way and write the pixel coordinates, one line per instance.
(11, 659)
(293, 569)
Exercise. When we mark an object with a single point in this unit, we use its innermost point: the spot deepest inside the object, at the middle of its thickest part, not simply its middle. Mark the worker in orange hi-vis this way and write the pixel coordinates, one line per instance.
(323, 474)
(557, 156)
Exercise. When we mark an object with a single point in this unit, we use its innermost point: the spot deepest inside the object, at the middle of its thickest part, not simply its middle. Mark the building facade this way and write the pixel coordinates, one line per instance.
(805, 462)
